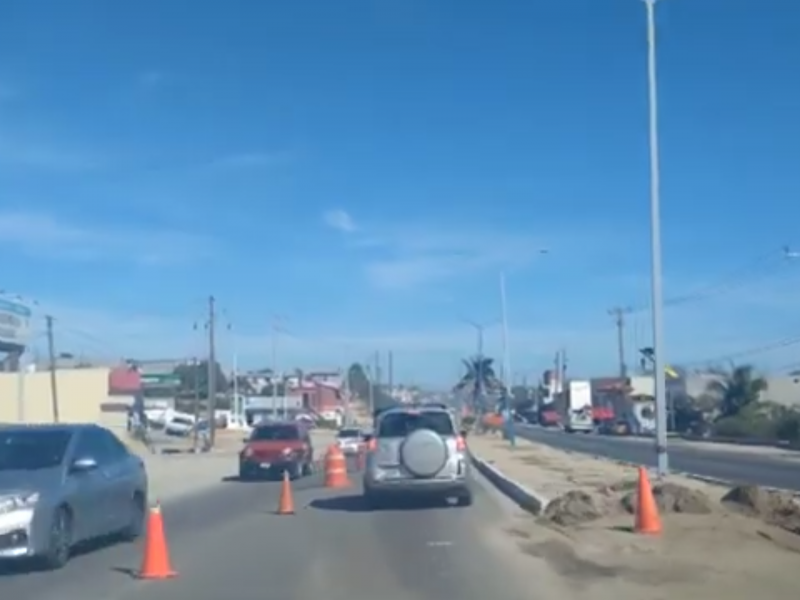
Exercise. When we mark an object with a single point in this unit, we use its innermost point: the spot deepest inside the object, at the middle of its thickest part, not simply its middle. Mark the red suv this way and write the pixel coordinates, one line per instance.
(275, 447)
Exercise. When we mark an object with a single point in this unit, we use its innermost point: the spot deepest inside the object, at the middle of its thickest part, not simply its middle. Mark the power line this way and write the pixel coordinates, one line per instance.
(768, 347)
(752, 272)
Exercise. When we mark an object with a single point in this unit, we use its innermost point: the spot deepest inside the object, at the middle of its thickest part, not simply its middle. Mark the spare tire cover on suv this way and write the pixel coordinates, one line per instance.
(423, 453)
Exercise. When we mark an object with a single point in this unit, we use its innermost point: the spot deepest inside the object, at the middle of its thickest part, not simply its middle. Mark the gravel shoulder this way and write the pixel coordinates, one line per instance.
(716, 543)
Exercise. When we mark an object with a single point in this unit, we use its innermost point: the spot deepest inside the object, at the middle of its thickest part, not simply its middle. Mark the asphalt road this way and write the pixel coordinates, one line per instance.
(228, 543)
(732, 466)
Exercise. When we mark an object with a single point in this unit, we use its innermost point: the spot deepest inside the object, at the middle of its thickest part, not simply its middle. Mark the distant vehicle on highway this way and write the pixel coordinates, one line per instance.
(417, 451)
(277, 446)
(350, 440)
(61, 485)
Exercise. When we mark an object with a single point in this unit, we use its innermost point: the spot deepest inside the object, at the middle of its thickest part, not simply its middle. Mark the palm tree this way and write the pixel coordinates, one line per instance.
(479, 380)
(737, 388)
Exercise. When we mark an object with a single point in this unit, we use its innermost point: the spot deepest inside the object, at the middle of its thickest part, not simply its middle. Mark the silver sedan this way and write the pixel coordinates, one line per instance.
(61, 485)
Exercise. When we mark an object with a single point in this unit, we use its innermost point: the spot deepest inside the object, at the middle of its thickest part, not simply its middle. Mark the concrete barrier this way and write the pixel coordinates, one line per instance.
(524, 497)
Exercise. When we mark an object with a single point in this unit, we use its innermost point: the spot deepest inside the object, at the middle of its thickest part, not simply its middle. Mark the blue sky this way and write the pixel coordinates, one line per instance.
(365, 168)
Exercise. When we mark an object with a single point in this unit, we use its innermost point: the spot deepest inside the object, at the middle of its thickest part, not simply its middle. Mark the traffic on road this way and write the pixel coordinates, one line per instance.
(304, 535)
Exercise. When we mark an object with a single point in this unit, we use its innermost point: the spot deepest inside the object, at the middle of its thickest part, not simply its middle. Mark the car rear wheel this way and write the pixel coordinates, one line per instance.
(59, 542)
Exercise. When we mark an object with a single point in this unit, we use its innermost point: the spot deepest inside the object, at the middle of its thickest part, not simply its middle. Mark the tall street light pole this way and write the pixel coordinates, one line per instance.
(655, 241)
(504, 319)
(506, 351)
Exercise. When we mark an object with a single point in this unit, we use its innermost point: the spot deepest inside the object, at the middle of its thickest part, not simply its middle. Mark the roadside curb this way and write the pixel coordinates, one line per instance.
(521, 495)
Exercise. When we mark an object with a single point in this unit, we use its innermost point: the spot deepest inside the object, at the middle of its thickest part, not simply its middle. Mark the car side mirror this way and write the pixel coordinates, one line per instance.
(83, 465)
(463, 433)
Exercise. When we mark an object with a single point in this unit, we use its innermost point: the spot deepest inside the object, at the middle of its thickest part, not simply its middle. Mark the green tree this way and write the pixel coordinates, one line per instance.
(360, 384)
(479, 380)
(193, 376)
(736, 389)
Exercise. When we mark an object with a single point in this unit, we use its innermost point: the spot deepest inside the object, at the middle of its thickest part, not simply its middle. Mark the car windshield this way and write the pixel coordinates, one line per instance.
(402, 423)
(32, 450)
(349, 433)
(275, 433)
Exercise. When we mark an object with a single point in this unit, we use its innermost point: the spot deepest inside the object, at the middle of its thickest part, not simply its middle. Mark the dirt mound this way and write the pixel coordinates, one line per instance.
(573, 508)
(672, 498)
(771, 506)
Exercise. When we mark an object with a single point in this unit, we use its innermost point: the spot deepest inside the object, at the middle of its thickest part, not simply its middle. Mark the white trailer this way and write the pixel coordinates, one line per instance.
(579, 407)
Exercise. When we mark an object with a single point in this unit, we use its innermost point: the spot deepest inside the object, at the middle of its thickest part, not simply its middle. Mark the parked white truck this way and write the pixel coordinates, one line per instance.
(579, 407)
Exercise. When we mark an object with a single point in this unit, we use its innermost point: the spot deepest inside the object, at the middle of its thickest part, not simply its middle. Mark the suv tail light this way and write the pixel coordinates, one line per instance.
(248, 452)
(461, 444)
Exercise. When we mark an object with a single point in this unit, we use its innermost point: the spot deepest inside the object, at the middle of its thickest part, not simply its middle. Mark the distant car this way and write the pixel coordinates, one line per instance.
(350, 440)
(274, 447)
(417, 451)
(61, 485)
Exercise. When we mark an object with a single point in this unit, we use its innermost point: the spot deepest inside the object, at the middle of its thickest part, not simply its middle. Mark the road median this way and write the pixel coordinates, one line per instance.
(717, 540)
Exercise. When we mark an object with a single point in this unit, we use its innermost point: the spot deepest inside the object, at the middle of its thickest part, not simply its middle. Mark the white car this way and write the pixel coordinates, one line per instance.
(350, 440)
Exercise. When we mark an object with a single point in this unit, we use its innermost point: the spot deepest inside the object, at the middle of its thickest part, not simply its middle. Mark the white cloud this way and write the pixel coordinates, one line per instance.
(45, 235)
(340, 220)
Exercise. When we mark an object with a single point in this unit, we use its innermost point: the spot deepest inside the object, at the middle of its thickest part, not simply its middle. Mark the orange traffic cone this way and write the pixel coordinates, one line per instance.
(286, 502)
(336, 468)
(155, 562)
(647, 519)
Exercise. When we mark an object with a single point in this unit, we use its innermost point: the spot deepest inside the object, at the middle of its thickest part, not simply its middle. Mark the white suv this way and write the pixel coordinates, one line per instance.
(417, 450)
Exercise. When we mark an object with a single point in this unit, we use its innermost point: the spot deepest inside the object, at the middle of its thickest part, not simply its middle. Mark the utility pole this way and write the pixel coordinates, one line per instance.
(370, 390)
(619, 315)
(51, 350)
(477, 398)
(212, 368)
(506, 352)
(390, 368)
(196, 384)
(276, 329)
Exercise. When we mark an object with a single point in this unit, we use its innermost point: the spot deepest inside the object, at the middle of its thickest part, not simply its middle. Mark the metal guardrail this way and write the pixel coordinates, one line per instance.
(738, 441)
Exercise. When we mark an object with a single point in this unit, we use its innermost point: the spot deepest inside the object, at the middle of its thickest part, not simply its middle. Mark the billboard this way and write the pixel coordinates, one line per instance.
(15, 325)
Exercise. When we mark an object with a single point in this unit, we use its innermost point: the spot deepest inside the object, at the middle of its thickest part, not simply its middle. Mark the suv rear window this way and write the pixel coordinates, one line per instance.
(402, 423)
(265, 433)
(349, 433)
